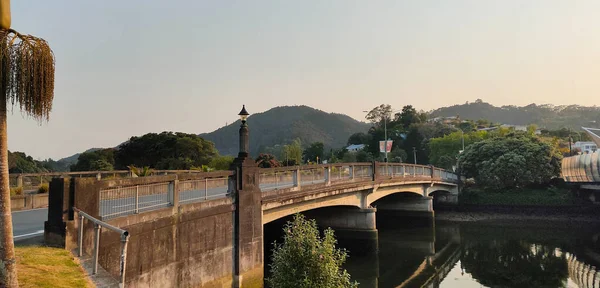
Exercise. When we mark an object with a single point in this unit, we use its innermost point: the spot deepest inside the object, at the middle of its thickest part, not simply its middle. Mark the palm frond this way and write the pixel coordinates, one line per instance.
(27, 73)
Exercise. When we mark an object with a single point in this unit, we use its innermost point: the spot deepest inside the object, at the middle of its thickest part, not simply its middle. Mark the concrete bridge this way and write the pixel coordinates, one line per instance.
(206, 229)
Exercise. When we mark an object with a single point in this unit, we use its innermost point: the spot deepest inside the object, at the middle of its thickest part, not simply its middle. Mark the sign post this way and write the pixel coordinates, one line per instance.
(385, 147)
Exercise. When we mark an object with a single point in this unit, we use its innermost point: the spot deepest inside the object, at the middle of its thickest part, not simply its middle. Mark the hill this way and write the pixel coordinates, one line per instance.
(281, 125)
(546, 115)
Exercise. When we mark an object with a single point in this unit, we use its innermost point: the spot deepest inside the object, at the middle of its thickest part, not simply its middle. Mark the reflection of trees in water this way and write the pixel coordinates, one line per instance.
(514, 263)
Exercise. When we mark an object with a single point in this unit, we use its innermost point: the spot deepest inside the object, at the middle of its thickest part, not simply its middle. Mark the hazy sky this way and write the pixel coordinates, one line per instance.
(130, 67)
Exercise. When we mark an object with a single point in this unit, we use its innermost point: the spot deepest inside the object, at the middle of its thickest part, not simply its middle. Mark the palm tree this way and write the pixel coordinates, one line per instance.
(26, 80)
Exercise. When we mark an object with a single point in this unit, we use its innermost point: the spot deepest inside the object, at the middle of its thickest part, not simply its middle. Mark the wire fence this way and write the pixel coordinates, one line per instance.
(276, 180)
(120, 201)
(340, 174)
(203, 189)
(312, 176)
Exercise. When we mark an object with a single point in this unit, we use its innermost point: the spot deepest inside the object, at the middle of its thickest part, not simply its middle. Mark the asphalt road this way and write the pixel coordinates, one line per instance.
(28, 223)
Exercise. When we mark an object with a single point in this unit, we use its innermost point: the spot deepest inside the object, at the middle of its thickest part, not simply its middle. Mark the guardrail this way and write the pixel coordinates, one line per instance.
(298, 176)
(34, 180)
(123, 197)
(127, 196)
(581, 168)
(97, 229)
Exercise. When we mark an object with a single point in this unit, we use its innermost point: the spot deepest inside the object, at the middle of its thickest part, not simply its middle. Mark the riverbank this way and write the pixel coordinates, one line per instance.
(470, 213)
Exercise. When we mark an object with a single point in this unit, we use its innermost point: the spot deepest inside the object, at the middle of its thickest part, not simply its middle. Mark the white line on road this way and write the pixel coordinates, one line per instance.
(29, 234)
(30, 210)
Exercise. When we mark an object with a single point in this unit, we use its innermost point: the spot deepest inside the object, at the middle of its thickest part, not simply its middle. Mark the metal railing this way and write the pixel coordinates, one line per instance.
(127, 200)
(203, 189)
(97, 229)
(298, 176)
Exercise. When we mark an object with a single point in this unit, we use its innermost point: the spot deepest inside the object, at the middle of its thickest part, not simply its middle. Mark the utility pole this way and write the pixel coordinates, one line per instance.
(462, 133)
(415, 154)
(385, 159)
(570, 140)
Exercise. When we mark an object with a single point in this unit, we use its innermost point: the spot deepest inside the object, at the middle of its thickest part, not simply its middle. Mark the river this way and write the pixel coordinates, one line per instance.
(480, 254)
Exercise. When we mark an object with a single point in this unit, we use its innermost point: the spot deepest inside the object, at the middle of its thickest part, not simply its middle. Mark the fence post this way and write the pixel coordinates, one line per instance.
(124, 240)
(137, 199)
(351, 172)
(175, 195)
(97, 229)
(20, 181)
(99, 176)
(80, 239)
(374, 171)
(205, 188)
(328, 175)
(297, 179)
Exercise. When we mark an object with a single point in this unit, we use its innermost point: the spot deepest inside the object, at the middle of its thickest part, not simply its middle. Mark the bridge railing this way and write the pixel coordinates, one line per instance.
(123, 197)
(136, 195)
(32, 181)
(581, 168)
(337, 173)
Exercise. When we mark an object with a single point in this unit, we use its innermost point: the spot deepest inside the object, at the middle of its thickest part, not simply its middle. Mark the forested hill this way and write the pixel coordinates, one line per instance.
(547, 116)
(281, 125)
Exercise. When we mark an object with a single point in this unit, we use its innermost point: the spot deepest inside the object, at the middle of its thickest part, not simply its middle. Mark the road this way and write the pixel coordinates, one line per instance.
(28, 223)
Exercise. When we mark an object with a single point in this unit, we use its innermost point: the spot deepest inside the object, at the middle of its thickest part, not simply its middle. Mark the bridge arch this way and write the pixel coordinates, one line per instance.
(286, 209)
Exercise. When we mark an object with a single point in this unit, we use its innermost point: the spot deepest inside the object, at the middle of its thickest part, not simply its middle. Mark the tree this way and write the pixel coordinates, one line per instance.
(93, 160)
(359, 138)
(314, 151)
(379, 114)
(306, 260)
(140, 172)
(443, 151)
(512, 161)
(293, 153)
(221, 162)
(398, 155)
(167, 150)
(26, 79)
(409, 116)
(267, 161)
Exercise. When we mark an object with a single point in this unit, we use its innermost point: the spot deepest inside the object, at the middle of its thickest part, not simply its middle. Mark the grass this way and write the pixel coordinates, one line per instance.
(49, 267)
(535, 197)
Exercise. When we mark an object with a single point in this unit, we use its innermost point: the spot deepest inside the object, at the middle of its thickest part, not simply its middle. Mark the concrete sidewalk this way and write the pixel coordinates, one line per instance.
(102, 279)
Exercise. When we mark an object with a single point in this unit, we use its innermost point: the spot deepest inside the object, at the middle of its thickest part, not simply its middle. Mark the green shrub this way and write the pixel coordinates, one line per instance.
(14, 191)
(306, 260)
(44, 188)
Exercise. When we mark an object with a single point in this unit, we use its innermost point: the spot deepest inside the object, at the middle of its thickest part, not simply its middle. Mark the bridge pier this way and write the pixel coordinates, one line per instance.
(410, 206)
(355, 228)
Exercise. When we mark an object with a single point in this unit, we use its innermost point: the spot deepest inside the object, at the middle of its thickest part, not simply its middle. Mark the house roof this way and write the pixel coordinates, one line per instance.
(355, 146)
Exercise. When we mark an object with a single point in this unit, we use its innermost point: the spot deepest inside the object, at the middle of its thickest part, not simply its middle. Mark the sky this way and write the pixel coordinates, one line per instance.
(126, 68)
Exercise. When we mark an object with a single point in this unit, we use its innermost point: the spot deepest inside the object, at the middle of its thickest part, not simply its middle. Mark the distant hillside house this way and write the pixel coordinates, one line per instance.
(521, 128)
(355, 147)
(445, 120)
(586, 147)
(486, 128)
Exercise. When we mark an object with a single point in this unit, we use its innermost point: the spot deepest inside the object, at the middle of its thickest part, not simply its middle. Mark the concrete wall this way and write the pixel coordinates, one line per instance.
(32, 201)
(191, 246)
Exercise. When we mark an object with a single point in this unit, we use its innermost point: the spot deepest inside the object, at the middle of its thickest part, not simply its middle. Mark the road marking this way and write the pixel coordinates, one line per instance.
(29, 234)
(30, 210)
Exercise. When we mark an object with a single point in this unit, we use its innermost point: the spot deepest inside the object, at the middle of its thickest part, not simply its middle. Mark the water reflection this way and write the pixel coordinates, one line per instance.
(490, 254)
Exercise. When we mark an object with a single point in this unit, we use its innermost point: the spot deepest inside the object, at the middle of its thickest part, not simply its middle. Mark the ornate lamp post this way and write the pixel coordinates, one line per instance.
(244, 141)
